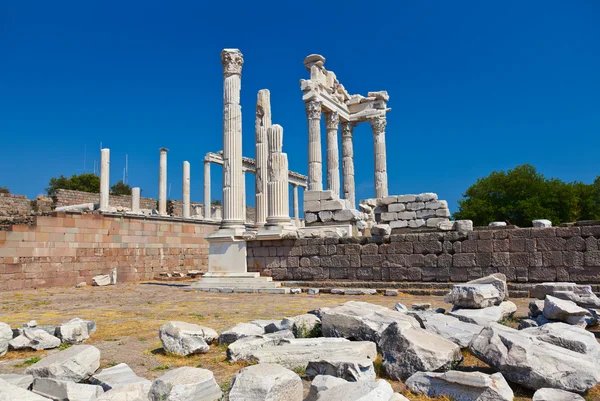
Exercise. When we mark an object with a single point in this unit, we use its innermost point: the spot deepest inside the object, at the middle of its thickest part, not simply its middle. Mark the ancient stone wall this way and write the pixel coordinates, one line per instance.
(65, 249)
(67, 197)
(524, 255)
(13, 205)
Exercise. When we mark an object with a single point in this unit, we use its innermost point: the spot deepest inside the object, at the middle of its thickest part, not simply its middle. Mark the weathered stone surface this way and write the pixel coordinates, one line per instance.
(527, 323)
(542, 223)
(449, 327)
(347, 368)
(474, 295)
(399, 307)
(322, 383)
(497, 224)
(35, 339)
(361, 321)
(360, 291)
(568, 312)
(381, 230)
(566, 336)
(486, 315)
(498, 280)
(407, 350)
(241, 349)
(553, 394)
(313, 291)
(73, 332)
(184, 339)
(23, 381)
(238, 331)
(9, 392)
(582, 295)
(185, 383)
(464, 225)
(76, 363)
(422, 306)
(378, 390)
(427, 197)
(294, 353)
(304, 325)
(117, 376)
(533, 363)
(536, 308)
(101, 280)
(266, 381)
(66, 390)
(464, 386)
(128, 392)
(391, 293)
(6, 335)
(274, 325)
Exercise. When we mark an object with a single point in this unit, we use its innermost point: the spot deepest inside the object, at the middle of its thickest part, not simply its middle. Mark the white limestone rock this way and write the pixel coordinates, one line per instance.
(381, 230)
(36, 339)
(449, 327)
(541, 223)
(391, 293)
(6, 335)
(184, 339)
(310, 218)
(399, 307)
(434, 221)
(361, 321)
(416, 223)
(185, 383)
(406, 216)
(397, 207)
(566, 336)
(326, 216)
(241, 349)
(553, 394)
(426, 214)
(582, 295)
(568, 312)
(348, 368)
(498, 280)
(23, 381)
(91, 325)
(474, 296)
(66, 390)
(117, 376)
(73, 332)
(536, 308)
(76, 363)
(303, 325)
(378, 390)
(347, 215)
(406, 198)
(9, 392)
(238, 331)
(312, 291)
(267, 323)
(485, 316)
(427, 197)
(463, 225)
(464, 386)
(128, 392)
(446, 225)
(101, 280)
(497, 224)
(322, 383)
(360, 291)
(532, 363)
(266, 381)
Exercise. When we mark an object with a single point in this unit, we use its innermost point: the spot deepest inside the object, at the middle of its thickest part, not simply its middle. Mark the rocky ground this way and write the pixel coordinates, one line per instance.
(128, 317)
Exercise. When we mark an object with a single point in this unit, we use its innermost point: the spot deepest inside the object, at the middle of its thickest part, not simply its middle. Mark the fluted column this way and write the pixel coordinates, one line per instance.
(233, 208)
(315, 162)
(135, 199)
(381, 181)
(162, 182)
(207, 203)
(348, 163)
(104, 179)
(279, 207)
(185, 191)
(332, 122)
(262, 123)
(244, 194)
(296, 209)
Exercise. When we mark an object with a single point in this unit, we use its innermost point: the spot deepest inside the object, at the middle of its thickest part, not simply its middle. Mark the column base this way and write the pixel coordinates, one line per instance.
(275, 231)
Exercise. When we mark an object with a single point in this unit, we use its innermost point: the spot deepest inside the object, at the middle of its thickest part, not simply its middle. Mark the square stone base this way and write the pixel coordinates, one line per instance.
(226, 256)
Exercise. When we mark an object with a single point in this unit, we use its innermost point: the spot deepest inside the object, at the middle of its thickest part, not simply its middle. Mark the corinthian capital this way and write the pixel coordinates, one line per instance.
(347, 129)
(232, 60)
(378, 125)
(313, 110)
(332, 120)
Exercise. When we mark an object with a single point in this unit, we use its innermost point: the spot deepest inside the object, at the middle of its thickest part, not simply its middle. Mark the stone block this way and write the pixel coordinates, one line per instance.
(542, 223)
(437, 205)
(442, 213)
(464, 225)
(415, 261)
(398, 224)
(575, 244)
(463, 260)
(388, 200)
(396, 207)
(346, 215)
(485, 246)
(425, 213)
(312, 206)
(387, 216)
(326, 216)
(433, 222)
(427, 197)
(592, 258)
(332, 204)
(328, 195)
(501, 245)
(517, 245)
(416, 223)
(407, 198)
(500, 259)
(551, 244)
(406, 216)
(415, 205)
(427, 247)
(312, 196)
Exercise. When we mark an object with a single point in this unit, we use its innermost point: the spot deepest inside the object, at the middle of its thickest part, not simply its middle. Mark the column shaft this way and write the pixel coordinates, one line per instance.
(279, 206)
(207, 202)
(348, 163)
(135, 200)
(381, 180)
(332, 121)
(315, 162)
(296, 209)
(104, 178)
(162, 183)
(185, 196)
(263, 122)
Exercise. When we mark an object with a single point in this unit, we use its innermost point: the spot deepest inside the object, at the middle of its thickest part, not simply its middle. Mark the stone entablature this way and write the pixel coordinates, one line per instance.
(570, 254)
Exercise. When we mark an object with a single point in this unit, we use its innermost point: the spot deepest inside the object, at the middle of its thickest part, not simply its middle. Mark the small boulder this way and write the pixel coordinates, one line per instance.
(184, 339)
(566, 336)
(553, 394)
(117, 376)
(23, 381)
(348, 368)
(73, 332)
(378, 390)
(241, 349)
(267, 381)
(541, 223)
(485, 316)
(186, 383)
(10, 392)
(6, 335)
(498, 280)
(323, 383)
(240, 330)
(474, 296)
(76, 363)
(36, 339)
(464, 386)
(66, 390)
(582, 295)
(101, 280)
(568, 312)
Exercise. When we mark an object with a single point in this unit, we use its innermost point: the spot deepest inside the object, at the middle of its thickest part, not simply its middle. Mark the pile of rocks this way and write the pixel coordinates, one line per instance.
(39, 337)
(325, 207)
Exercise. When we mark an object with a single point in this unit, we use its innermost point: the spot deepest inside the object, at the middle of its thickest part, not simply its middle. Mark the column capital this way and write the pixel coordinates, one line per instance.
(332, 120)
(165, 150)
(313, 110)
(378, 125)
(232, 60)
(347, 129)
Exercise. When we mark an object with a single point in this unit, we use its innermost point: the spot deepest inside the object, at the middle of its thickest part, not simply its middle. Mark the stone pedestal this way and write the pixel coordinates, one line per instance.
(104, 179)
(186, 190)
(162, 183)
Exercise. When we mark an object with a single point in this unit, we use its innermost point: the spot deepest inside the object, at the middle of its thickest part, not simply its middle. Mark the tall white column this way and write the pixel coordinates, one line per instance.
(244, 194)
(348, 163)
(207, 202)
(135, 199)
(185, 196)
(263, 122)
(279, 206)
(162, 183)
(332, 122)
(104, 179)
(381, 181)
(233, 210)
(315, 162)
(296, 209)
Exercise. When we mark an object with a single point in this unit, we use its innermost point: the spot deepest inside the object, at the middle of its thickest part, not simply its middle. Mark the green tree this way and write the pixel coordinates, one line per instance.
(4, 190)
(120, 188)
(216, 203)
(87, 182)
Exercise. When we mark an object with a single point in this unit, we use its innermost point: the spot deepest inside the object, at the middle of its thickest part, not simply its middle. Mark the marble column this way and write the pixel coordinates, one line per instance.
(381, 181)
(296, 209)
(104, 179)
(233, 208)
(162, 183)
(244, 194)
(262, 123)
(315, 163)
(207, 202)
(332, 122)
(135, 199)
(348, 163)
(277, 165)
(185, 195)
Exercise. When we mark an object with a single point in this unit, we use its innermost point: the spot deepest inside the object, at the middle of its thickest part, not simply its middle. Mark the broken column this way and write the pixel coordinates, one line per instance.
(315, 163)
(162, 183)
(332, 121)
(104, 179)
(135, 200)
(185, 196)
(381, 182)
(348, 163)
(262, 123)
(279, 213)
(207, 212)
(233, 208)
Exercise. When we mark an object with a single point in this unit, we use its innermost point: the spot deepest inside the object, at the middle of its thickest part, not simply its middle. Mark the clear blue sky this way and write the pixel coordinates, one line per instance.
(474, 86)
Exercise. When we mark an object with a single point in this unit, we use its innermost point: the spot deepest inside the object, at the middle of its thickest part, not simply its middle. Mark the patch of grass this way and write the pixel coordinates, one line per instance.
(225, 387)
(198, 316)
(303, 331)
(593, 394)
(160, 367)
(510, 321)
(300, 370)
(378, 366)
(142, 339)
(109, 364)
(64, 346)
(29, 362)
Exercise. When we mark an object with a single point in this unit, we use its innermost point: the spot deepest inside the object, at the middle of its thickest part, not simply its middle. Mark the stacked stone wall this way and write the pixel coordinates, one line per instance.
(67, 197)
(524, 255)
(65, 249)
(13, 205)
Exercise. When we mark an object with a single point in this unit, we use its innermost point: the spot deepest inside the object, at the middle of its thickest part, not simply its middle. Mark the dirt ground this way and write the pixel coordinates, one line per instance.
(129, 315)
